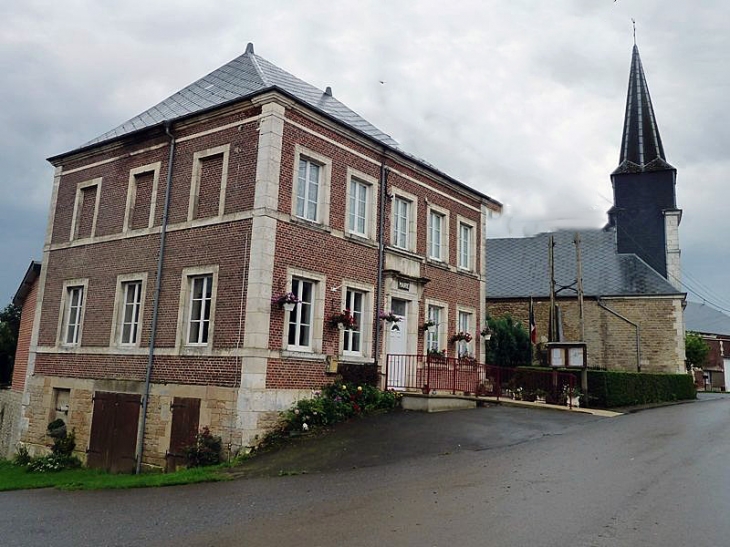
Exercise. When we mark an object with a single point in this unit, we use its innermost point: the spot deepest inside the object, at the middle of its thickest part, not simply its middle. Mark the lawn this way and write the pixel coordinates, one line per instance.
(18, 478)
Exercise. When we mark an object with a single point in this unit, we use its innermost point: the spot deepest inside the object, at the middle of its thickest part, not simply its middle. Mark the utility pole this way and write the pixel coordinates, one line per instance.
(553, 320)
(579, 286)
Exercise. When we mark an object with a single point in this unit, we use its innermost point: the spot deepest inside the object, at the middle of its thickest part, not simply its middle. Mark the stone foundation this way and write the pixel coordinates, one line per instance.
(9, 421)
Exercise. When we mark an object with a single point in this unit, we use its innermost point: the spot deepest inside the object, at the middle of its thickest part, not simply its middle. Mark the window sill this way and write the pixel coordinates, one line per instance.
(302, 355)
(355, 359)
(355, 238)
(438, 264)
(311, 224)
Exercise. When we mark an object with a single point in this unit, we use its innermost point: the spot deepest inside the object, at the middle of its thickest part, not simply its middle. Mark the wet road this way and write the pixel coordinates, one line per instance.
(655, 478)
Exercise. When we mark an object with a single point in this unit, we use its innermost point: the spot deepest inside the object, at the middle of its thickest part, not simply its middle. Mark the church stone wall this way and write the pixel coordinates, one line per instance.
(611, 341)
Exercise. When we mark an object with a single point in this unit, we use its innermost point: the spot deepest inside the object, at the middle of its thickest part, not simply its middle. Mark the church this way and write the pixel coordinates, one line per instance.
(629, 270)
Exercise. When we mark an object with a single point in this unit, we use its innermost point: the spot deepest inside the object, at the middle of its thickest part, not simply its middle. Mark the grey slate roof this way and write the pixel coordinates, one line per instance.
(641, 145)
(702, 318)
(519, 267)
(244, 76)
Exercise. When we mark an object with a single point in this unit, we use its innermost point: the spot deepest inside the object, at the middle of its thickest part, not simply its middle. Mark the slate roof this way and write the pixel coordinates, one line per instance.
(702, 318)
(244, 76)
(519, 267)
(641, 144)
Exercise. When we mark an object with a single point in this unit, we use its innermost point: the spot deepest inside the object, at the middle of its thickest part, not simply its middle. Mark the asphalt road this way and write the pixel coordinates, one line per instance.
(492, 476)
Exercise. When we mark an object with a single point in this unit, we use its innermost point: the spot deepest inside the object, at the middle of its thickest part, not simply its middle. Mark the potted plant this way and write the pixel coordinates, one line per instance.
(461, 336)
(389, 316)
(287, 301)
(572, 396)
(429, 326)
(344, 320)
(436, 355)
(540, 396)
(486, 333)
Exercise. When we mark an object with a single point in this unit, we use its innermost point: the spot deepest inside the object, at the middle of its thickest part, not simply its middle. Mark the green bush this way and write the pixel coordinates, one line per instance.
(205, 450)
(61, 456)
(336, 403)
(609, 389)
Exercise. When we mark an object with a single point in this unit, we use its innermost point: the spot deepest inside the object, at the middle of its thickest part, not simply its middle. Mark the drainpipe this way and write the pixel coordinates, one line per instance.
(635, 325)
(381, 256)
(156, 302)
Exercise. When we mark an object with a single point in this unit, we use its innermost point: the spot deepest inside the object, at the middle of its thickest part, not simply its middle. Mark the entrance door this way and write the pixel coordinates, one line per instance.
(184, 427)
(398, 345)
(113, 437)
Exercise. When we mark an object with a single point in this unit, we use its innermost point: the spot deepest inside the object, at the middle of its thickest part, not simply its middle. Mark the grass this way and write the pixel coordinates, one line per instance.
(18, 478)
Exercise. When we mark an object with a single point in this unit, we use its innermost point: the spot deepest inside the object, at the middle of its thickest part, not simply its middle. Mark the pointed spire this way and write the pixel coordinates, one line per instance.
(641, 146)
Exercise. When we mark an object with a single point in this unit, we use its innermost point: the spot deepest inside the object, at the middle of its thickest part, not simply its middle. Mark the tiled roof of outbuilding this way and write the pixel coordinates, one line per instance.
(702, 318)
(519, 267)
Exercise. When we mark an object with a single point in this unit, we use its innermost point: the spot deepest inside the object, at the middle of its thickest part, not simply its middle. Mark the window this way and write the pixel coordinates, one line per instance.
(352, 342)
(129, 328)
(208, 184)
(462, 347)
(465, 246)
(433, 341)
(141, 197)
(358, 207)
(300, 319)
(73, 315)
(401, 209)
(86, 209)
(201, 297)
(308, 189)
(435, 227)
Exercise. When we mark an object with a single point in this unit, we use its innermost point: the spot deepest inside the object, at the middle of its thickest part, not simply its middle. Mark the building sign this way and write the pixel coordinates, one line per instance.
(404, 285)
(567, 354)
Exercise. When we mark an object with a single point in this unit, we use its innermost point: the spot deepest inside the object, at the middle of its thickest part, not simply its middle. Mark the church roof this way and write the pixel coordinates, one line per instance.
(702, 318)
(641, 145)
(244, 76)
(519, 267)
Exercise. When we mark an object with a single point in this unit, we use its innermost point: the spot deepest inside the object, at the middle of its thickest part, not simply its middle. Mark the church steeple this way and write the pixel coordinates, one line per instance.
(641, 145)
(644, 213)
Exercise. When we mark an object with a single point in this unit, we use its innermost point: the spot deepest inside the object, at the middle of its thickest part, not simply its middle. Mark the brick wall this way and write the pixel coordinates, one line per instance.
(25, 332)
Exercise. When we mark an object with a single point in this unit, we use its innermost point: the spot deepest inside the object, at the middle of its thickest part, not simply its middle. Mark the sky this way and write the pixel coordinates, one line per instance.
(522, 100)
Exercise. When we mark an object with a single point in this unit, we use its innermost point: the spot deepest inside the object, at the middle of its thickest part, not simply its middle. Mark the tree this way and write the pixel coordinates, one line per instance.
(696, 350)
(9, 327)
(509, 345)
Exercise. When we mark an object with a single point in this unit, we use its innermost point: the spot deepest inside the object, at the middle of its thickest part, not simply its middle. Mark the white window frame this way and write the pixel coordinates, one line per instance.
(464, 347)
(325, 179)
(78, 204)
(470, 263)
(198, 158)
(433, 338)
(411, 233)
(317, 321)
(443, 214)
(64, 316)
(185, 308)
(120, 307)
(365, 321)
(371, 187)
(153, 168)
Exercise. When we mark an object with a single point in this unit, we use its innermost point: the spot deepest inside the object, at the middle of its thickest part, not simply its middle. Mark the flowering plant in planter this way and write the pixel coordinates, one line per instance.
(428, 326)
(287, 300)
(461, 336)
(344, 320)
(389, 316)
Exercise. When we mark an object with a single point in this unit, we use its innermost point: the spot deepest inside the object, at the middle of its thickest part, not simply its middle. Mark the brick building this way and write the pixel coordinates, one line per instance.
(12, 395)
(714, 328)
(633, 318)
(171, 237)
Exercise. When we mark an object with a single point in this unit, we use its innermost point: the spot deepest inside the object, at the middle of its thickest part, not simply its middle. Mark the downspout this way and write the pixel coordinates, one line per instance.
(635, 325)
(156, 302)
(381, 257)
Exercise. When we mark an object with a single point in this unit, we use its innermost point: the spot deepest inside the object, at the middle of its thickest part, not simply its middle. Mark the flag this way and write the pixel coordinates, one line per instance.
(533, 327)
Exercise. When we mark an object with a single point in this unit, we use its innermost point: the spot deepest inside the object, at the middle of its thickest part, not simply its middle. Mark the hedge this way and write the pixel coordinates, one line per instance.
(608, 389)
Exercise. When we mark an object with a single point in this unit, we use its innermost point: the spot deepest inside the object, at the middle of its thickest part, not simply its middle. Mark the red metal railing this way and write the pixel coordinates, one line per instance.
(433, 374)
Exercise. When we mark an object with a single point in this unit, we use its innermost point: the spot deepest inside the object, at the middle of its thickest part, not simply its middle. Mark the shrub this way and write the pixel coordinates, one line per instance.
(22, 458)
(61, 456)
(205, 450)
(336, 403)
(609, 389)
